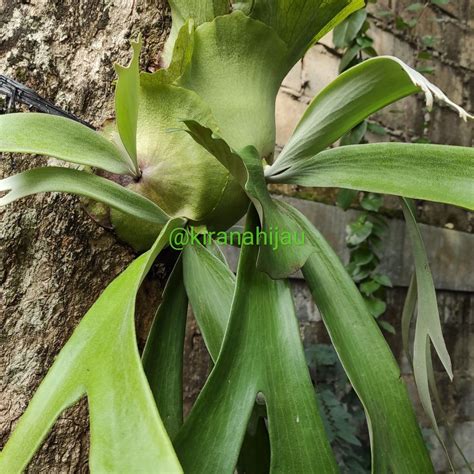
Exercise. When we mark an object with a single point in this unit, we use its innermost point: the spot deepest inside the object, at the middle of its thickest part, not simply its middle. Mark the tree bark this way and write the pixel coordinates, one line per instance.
(55, 260)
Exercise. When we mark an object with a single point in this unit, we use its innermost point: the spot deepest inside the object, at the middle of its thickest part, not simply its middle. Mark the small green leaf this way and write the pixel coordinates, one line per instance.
(365, 42)
(358, 273)
(358, 231)
(386, 326)
(346, 32)
(348, 57)
(377, 129)
(369, 287)
(345, 197)
(425, 55)
(401, 24)
(371, 202)
(384, 280)
(355, 136)
(415, 7)
(375, 306)
(429, 40)
(362, 256)
(425, 69)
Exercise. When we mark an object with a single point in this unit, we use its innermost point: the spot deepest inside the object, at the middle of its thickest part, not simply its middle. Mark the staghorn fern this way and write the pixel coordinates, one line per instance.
(198, 138)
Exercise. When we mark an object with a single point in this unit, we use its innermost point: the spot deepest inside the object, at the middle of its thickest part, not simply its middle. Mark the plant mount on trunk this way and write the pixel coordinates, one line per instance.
(197, 140)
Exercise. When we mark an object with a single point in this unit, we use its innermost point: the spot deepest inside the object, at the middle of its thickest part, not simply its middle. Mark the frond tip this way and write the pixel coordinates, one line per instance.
(431, 91)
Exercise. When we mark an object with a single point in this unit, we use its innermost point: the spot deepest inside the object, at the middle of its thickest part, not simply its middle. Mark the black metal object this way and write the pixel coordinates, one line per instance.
(15, 92)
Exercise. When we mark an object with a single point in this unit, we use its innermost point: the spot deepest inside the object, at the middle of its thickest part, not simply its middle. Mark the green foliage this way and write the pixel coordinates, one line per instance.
(163, 354)
(280, 376)
(101, 360)
(52, 178)
(198, 139)
(432, 172)
(428, 327)
(365, 240)
(342, 412)
(407, 21)
(63, 139)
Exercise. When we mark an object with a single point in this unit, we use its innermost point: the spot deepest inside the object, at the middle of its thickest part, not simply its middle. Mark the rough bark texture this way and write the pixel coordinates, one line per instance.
(55, 260)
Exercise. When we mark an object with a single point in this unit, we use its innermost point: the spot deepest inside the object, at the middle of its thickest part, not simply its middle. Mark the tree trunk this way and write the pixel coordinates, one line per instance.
(55, 260)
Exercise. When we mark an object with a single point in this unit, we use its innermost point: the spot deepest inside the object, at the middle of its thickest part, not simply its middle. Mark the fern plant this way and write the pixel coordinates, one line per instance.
(196, 142)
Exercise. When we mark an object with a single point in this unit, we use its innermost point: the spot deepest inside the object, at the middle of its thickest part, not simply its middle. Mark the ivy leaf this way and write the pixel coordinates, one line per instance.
(383, 280)
(429, 40)
(358, 231)
(361, 256)
(425, 55)
(415, 7)
(346, 32)
(358, 273)
(365, 42)
(355, 136)
(348, 57)
(345, 197)
(386, 326)
(369, 287)
(426, 69)
(372, 202)
(376, 306)
(377, 129)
